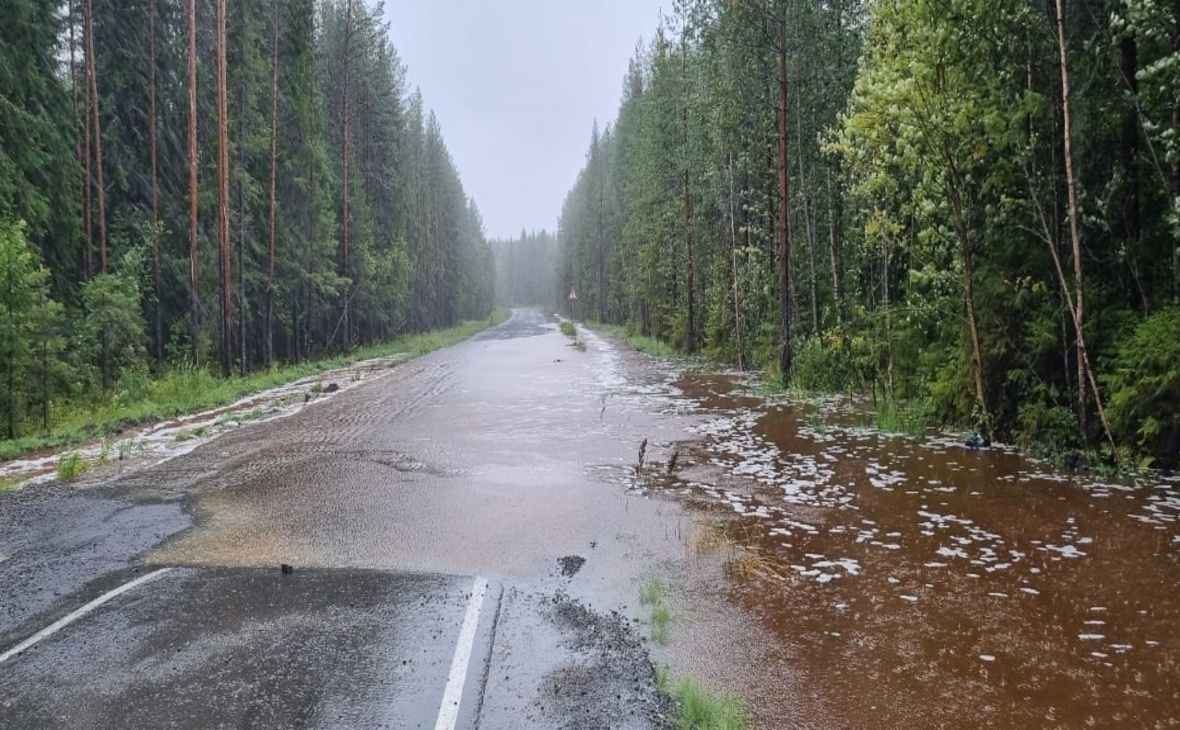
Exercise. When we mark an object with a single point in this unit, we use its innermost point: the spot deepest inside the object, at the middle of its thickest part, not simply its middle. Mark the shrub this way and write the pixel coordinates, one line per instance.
(70, 467)
(1144, 386)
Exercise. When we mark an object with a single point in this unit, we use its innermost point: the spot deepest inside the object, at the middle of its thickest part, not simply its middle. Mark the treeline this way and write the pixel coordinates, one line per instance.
(969, 207)
(524, 269)
(194, 182)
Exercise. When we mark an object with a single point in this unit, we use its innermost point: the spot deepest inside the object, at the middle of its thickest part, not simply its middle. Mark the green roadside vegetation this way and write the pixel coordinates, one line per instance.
(7, 484)
(700, 708)
(181, 391)
(642, 343)
(654, 594)
(697, 707)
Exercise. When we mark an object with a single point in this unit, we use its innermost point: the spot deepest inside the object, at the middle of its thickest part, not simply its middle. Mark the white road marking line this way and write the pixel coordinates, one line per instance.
(61, 623)
(448, 711)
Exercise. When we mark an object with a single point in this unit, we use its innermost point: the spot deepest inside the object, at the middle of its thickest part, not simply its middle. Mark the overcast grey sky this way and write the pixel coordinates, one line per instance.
(516, 85)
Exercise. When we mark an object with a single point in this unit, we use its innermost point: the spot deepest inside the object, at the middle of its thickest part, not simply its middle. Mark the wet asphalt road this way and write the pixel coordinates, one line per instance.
(485, 464)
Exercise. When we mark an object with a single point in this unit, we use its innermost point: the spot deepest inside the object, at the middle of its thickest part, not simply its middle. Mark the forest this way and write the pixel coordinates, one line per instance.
(969, 209)
(199, 185)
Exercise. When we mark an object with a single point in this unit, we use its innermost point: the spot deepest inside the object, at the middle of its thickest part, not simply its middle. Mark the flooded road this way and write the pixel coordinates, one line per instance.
(920, 584)
(833, 576)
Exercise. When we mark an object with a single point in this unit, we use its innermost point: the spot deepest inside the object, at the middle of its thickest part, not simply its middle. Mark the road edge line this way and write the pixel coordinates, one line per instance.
(70, 618)
(448, 711)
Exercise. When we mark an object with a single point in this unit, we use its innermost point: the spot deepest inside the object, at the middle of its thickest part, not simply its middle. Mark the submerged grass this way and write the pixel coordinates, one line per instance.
(911, 418)
(181, 391)
(654, 593)
(8, 484)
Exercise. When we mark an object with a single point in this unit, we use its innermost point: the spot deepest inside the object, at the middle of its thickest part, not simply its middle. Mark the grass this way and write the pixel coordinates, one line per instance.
(568, 328)
(182, 391)
(654, 593)
(701, 708)
(643, 343)
(911, 419)
(8, 484)
(70, 467)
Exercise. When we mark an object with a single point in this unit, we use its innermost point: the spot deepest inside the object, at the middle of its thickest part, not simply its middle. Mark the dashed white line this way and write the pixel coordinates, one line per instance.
(61, 623)
(448, 711)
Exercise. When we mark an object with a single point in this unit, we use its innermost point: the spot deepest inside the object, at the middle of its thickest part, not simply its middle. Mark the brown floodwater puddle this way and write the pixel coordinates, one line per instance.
(922, 584)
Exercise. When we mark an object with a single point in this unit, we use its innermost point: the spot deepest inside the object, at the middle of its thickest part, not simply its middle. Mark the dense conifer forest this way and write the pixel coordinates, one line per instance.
(213, 185)
(968, 209)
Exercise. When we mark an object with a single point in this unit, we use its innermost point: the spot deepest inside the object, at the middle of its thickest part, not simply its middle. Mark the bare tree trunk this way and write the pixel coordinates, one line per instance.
(1176, 163)
(733, 246)
(93, 75)
(274, 137)
(159, 309)
(223, 197)
(345, 267)
(834, 253)
(973, 328)
(1129, 66)
(194, 251)
(82, 152)
(1085, 371)
(243, 304)
(1075, 235)
(888, 306)
(784, 208)
(690, 335)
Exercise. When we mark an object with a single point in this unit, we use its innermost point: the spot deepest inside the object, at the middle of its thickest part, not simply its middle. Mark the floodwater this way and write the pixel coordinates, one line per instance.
(917, 583)
(833, 576)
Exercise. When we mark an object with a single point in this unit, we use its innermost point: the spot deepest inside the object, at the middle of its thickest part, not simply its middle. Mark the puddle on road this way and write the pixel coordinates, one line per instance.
(924, 584)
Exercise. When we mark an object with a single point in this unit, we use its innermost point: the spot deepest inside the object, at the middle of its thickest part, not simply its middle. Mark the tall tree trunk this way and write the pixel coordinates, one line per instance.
(1176, 162)
(223, 197)
(733, 247)
(274, 137)
(690, 335)
(92, 72)
(193, 248)
(1085, 371)
(809, 214)
(834, 253)
(1074, 231)
(784, 222)
(159, 309)
(83, 157)
(10, 359)
(973, 323)
(345, 266)
(243, 308)
(1132, 218)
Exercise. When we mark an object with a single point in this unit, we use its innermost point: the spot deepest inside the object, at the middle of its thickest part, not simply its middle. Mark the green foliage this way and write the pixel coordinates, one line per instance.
(70, 467)
(1144, 383)
(925, 206)
(700, 708)
(568, 329)
(910, 419)
(654, 594)
(114, 330)
(94, 308)
(649, 345)
(828, 363)
(29, 340)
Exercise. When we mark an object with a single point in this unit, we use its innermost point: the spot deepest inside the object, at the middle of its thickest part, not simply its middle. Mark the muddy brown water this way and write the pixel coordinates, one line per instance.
(916, 583)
